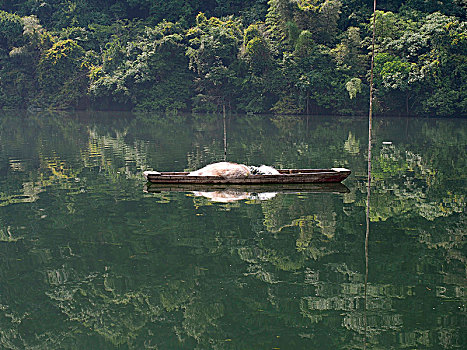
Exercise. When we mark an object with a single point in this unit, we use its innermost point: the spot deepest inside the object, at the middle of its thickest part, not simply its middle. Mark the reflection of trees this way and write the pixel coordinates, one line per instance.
(352, 145)
(407, 185)
(448, 236)
(97, 303)
(65, 151)
(7, 236)
(421, 193)
(164, 270)
(114, 156)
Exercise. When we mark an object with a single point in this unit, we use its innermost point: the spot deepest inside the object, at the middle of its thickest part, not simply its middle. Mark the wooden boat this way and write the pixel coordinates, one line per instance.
(286, 176)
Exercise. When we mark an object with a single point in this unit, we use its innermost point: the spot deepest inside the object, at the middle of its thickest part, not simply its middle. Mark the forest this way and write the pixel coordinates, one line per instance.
(254, 56)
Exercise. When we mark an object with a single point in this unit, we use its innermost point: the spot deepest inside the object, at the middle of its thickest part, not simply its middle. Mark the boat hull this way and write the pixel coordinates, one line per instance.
(286, 176)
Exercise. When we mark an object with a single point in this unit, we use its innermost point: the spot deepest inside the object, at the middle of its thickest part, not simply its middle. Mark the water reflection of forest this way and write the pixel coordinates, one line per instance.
(112, 265)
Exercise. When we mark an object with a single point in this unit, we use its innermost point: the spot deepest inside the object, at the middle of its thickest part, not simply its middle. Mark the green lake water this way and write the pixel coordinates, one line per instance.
(90, 258)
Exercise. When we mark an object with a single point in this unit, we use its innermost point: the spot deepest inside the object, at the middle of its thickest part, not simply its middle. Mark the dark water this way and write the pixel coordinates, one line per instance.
(88, 260)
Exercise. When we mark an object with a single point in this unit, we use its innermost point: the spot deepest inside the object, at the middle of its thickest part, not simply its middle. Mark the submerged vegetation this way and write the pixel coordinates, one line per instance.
(256, 56)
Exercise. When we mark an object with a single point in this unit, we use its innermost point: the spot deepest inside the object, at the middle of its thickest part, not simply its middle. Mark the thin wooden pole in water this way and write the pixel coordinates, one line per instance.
(370, 117)
(225, 134)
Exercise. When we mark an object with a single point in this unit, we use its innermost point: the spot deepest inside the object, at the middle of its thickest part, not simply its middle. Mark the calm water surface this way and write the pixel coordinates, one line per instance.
(90, 260)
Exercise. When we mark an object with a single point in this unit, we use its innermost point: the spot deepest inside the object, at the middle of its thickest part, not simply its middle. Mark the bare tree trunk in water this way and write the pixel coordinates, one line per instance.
(370, 117)
(225, 134)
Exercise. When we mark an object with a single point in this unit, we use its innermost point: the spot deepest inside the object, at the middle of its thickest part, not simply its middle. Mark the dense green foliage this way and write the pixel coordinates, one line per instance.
(256, 56)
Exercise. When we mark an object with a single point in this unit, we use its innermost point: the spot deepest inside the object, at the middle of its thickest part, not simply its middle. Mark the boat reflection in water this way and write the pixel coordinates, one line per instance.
(232, 193)
(228, 196)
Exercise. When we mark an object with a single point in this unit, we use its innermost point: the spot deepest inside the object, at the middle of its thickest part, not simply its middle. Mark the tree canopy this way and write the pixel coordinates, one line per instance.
(256, 56)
